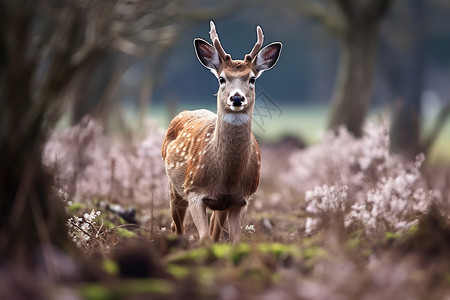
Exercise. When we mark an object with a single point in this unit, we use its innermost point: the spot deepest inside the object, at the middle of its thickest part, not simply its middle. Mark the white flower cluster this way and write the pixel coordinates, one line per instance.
(323, 200)
(250, 228)
(389, 193)
(357, 160)
(81, 230)
(93, 164)
(394, 203)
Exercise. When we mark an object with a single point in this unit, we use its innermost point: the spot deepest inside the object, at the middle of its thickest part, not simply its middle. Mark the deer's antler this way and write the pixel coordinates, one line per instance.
(216, 42)
(258, 44)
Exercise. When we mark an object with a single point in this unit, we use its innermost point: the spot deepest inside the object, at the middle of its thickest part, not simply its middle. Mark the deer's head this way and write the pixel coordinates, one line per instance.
(236, 77)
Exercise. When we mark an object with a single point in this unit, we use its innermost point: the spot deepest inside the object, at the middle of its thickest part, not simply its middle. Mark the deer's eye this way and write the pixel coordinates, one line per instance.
(252, 80)
(221, 80)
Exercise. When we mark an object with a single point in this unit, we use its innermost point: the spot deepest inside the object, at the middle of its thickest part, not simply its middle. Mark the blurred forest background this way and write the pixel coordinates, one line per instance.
(87, 89)
(397, 64)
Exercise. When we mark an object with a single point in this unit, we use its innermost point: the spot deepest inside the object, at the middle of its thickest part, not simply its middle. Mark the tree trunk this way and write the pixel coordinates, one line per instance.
(31, 219)
(405, 128)
(359, 37)
(354, 83)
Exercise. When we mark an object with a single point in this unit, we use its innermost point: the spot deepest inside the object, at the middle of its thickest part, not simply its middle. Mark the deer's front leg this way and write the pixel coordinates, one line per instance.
(236, 218)
(198, 213)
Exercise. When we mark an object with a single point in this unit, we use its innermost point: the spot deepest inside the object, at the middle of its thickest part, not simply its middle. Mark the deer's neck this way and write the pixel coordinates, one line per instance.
(232, 142)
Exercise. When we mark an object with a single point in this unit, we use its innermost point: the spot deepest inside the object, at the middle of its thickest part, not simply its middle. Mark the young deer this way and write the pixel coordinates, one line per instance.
(214, 160)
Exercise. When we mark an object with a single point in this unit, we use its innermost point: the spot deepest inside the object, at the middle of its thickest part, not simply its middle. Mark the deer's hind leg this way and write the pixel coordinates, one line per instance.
(217, 222)
(178, 207)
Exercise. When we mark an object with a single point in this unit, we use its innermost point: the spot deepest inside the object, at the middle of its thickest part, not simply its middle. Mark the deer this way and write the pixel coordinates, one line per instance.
(213, 160)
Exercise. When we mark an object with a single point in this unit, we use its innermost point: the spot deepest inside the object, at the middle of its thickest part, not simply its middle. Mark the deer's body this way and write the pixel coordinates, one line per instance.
(214, 160)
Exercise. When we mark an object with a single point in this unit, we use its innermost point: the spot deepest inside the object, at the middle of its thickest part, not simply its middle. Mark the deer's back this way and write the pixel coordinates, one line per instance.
(184, 144)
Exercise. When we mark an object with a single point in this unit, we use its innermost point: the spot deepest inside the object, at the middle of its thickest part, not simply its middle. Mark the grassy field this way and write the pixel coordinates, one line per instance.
(341, 219)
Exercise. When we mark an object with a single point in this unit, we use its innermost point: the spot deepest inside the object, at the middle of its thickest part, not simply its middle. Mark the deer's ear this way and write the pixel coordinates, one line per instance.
(267, 57)
(207, 55)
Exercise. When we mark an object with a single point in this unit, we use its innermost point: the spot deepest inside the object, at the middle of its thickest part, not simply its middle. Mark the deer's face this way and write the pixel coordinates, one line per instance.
(236, 86)
(236, 77)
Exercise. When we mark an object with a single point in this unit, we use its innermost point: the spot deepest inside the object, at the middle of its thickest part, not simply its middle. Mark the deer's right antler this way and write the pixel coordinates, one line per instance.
(216, 42)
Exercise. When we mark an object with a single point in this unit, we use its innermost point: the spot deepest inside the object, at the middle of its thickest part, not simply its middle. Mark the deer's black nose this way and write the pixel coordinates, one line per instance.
(237, 100)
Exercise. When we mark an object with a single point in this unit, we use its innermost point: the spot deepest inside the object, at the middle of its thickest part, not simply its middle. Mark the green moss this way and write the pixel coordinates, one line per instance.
(126, 289)
(109, 224)
(122, 232)
(155, 286)
(75, 207)
(240, 252)
(313, 252)
(392, 235)
(276, 249)
(96, 292)
(110, 266)
(188, 257)
(177, 271)
(221, 251)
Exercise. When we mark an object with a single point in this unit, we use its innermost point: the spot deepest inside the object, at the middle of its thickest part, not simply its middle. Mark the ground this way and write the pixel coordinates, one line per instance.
(343, 219)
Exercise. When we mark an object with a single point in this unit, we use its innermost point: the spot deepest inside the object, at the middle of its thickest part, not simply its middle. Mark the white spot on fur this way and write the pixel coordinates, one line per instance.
(208, 134)
(236, 119)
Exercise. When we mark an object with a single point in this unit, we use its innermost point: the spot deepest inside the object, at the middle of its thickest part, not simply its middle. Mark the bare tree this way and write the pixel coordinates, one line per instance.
(44, 46)
(356, 24)
(406, 72)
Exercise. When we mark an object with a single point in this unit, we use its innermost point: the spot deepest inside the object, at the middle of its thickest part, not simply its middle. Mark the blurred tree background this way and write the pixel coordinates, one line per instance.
(64, 59)
(58, 56)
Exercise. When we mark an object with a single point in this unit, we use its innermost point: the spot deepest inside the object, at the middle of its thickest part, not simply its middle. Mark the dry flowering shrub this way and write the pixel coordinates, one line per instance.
(88, 164)
(84, 230)
(358, 161)
(395, 202)
(390, 193)
(325, 205)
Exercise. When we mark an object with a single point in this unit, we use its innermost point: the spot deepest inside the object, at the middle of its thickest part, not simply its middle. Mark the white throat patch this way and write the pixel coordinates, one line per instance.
(236, 119)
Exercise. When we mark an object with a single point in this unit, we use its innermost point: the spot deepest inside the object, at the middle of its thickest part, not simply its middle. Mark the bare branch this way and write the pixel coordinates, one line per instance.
(328, 15)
